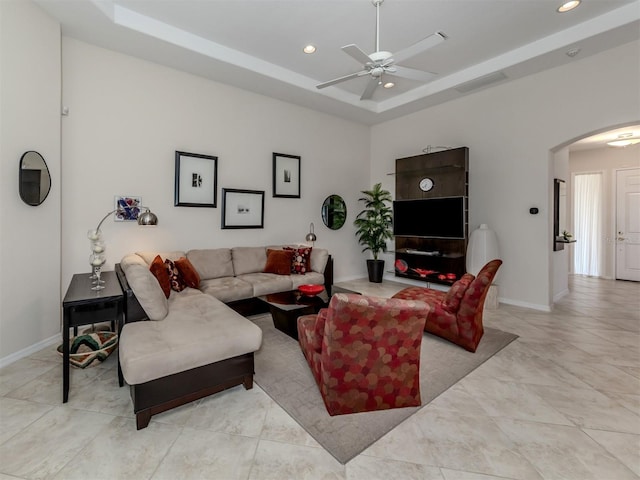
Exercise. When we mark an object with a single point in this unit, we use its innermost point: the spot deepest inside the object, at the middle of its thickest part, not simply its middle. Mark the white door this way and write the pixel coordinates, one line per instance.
(628, 224)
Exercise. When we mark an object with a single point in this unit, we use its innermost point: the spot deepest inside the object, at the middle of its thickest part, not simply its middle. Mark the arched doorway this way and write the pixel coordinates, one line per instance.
(590, 155)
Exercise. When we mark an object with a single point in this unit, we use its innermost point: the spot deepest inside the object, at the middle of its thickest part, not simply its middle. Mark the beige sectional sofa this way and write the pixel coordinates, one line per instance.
(196, 342)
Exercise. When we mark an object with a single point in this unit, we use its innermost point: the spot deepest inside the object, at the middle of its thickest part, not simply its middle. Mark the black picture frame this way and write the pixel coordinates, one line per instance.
(242, 208)
(196, 180)
(286, 175)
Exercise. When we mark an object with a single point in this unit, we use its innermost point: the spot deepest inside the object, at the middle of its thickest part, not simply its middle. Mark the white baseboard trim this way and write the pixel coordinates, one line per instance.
(416, 283)
(392, 278)
(518, 303)
(25, 352)
(559, 295)
(349, 278)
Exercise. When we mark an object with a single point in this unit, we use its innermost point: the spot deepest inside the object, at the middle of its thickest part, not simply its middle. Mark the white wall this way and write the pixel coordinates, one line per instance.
(605, 160)
(510, 130)
(126, 119)
(30, 120)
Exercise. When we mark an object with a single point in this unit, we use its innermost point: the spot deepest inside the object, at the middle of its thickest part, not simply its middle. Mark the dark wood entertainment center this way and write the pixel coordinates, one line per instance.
(435, 251)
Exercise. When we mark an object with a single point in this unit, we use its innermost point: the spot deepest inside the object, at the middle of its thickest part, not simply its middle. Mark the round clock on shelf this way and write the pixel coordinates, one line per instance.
(426, 184)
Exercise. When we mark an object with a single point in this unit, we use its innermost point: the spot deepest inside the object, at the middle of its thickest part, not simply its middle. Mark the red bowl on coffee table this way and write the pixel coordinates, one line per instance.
(310, 290)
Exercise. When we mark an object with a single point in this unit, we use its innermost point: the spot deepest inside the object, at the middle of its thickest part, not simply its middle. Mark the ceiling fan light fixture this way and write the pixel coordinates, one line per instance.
(568, 6)
(309, 49)
(624, 143)
(382, 62)
(624, 140)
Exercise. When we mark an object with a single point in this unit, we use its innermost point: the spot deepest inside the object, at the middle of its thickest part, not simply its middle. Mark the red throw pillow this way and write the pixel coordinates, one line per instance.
(279, 262)
(452, 300)
(160, 272)
(189, 273)
(175, 278)
(301, 262)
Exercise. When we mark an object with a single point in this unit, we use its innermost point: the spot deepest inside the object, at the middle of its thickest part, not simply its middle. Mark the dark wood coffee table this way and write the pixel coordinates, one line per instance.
(286, 307)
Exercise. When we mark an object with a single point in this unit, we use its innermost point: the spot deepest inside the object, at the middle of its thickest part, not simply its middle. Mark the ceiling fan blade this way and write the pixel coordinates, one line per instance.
(342, 79)
(354, 52)
(419, 47)
(411, 73)
(371, 86)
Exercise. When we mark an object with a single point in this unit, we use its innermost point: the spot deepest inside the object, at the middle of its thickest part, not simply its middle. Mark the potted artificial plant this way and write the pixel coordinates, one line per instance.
(374, 227)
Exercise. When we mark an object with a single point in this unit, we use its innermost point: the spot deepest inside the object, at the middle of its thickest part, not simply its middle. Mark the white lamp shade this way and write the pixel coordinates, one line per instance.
(482, 248)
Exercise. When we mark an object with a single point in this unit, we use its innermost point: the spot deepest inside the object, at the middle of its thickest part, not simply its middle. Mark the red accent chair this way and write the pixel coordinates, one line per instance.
(456, 315)
(364, 352)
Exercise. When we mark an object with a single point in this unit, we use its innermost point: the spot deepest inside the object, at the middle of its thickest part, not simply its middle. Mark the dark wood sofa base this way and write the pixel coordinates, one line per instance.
(165, 393)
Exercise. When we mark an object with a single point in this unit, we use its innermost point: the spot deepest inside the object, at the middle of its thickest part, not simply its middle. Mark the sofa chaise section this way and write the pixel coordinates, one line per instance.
(198, 348)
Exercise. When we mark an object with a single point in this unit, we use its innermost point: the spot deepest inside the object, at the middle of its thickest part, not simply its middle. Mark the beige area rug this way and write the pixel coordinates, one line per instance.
(283, 373)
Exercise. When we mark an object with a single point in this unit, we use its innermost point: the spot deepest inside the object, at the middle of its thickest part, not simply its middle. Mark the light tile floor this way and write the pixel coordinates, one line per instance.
(561, 402)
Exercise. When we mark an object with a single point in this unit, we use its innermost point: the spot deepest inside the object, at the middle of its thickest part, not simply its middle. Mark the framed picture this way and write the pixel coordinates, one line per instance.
(126, 208)
(286, 175)
(196, 180)
(242, 208)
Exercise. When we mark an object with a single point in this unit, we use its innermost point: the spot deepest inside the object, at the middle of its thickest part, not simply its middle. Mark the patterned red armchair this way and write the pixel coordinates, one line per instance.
(364, 352)
(456, 315)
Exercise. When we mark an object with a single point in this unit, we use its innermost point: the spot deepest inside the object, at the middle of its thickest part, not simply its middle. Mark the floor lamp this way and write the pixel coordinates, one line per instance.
(97, 258)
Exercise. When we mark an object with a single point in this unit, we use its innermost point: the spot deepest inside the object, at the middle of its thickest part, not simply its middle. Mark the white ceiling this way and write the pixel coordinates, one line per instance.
(257, 44)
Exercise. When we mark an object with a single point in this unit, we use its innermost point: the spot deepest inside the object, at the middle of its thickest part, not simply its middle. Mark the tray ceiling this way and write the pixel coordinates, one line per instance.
(257, 45)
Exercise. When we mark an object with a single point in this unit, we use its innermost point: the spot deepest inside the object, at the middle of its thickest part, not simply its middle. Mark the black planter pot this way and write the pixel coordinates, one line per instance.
(375, 268)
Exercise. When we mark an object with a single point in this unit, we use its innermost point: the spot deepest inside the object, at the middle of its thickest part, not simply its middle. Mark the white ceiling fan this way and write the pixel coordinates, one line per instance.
(383, 62)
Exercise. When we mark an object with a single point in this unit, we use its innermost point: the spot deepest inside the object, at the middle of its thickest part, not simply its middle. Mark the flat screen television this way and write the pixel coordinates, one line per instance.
(431, 217)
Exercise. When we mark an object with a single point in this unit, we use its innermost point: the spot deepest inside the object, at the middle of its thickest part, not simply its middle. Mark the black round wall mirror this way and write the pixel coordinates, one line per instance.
(334, 212)
(34, 179)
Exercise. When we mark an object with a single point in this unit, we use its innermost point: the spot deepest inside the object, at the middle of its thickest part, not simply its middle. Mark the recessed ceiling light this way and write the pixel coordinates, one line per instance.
(570, 5)
(309, 49)
(389, 85)
(572, 52)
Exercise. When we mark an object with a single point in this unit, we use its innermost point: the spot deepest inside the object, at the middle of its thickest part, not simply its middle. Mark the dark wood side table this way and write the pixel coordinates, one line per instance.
(83, 306)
